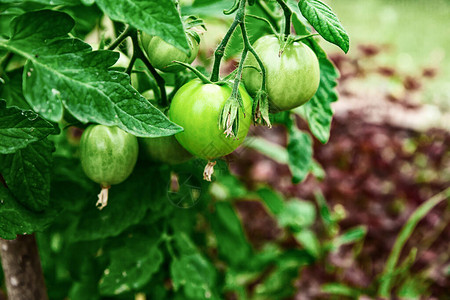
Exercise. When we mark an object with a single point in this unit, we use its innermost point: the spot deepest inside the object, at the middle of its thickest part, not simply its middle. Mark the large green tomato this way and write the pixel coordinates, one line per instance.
(161, 54)
(292, 78)
(196, 107)
(166, 149)
(108, 154)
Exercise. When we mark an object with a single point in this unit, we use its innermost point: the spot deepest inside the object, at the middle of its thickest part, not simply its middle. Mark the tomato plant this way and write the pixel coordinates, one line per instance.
(60, 68)
(292, 72)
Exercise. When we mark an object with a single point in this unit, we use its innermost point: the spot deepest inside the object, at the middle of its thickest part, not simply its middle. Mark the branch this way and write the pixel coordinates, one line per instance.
(126, 33)
(220, 51)
(138, 53)
(287, 17)
(22, 268)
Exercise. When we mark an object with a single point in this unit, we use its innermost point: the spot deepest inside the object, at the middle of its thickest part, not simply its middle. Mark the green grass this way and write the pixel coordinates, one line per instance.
(416, 31)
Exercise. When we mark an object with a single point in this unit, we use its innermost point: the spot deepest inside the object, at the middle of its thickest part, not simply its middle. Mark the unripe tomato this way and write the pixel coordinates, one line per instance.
(161, 54)
(196, 107)
(108, 154)
(292, 78)
(166, 149)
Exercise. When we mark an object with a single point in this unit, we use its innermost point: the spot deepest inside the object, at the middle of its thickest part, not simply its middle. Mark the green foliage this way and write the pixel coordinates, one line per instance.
(165, 233)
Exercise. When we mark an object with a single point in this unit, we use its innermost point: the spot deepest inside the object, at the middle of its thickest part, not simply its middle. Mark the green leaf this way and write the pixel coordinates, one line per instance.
(16, 219)
(352, 235)
(402, 238)
(19, 128)
(231, 241)
(62, 72)
(27, 174)
(269, 149)
(132, 264)
(325, 21)
(299, 153)
(308, 239)
(318, 110)
(46, 2)
(127, 204)
(11, 91)
(339, 289)
(272, 199)
(154, 17)
(297, 214)
(192, 272)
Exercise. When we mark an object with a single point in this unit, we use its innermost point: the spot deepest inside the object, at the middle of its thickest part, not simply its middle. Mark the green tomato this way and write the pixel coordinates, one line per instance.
(292, 79)
(108, 154)
(166, 149)
(161, 54)
(196, 107)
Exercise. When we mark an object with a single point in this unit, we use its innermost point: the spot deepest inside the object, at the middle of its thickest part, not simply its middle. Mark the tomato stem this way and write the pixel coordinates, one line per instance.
(126, 33)
(209, 170)
(273, 18)
(200, 76)
(138, 53)
(287, 16)
(220, 51)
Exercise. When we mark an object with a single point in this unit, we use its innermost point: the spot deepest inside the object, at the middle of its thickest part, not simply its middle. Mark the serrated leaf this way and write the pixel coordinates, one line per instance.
(154, 17)
(27, 174)
(132, 264)
(318, 110)
(19, 128)
(325, 21)
(63, 73)
(16, 219)
(299, 153)
(231, 241)
(128, 203)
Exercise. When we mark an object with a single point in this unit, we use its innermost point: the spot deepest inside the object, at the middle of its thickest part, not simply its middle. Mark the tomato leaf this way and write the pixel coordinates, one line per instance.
(325, 21)
(11, 90)
(231, 241)
(132, 264)
(16, 219)
(128, 202)
(19, 128)
(154, 17)
(192, 272)
(299, 153)
(62, 72)
(318, 111)
(27, 174)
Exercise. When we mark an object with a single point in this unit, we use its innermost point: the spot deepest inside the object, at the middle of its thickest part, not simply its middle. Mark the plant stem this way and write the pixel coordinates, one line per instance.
(138, 53)
(22, 268)
(287, 17)
(388, 272)
(126, 33)
(270, 15)
(220, 51)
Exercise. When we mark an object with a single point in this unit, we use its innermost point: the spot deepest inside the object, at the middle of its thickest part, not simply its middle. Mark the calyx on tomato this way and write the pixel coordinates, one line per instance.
(292, 72)
(108, 156)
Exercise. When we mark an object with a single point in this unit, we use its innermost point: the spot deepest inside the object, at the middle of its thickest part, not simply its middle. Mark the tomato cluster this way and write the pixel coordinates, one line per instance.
(109, 154)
